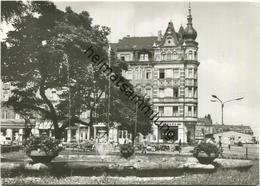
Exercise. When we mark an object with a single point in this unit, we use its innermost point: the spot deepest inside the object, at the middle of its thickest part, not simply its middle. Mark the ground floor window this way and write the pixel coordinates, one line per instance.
(168, 133)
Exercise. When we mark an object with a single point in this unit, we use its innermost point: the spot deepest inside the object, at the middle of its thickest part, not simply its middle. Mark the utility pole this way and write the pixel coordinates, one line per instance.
(222, 109)
(135, 124)
(108, 95)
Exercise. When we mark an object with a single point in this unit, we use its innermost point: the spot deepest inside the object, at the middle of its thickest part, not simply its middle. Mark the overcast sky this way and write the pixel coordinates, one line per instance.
(229, 47)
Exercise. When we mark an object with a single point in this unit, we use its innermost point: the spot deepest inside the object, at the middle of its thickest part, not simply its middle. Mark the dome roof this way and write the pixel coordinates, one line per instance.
(190, 33)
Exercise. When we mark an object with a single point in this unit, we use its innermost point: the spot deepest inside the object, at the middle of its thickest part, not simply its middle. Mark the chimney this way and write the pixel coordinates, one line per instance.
(159, 35)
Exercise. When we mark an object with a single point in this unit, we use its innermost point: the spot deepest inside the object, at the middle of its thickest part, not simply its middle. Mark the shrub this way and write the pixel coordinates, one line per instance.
(208, 148)
(42, 143)
(127, 150)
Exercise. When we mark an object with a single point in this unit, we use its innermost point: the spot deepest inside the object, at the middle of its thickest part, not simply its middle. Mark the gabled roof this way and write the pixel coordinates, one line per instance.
(135, 43)
(170, 31)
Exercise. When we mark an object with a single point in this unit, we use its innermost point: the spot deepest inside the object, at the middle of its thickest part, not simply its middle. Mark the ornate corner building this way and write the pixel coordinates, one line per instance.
(165, 68)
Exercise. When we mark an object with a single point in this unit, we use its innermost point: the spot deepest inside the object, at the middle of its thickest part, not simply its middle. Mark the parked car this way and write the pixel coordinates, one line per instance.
(5, 141)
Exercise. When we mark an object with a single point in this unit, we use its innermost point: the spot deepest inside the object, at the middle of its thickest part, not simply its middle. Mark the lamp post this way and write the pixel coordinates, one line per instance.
(135, 124)
(222, 108)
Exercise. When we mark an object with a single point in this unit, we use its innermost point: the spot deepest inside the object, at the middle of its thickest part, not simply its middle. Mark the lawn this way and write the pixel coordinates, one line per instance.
(221, 177)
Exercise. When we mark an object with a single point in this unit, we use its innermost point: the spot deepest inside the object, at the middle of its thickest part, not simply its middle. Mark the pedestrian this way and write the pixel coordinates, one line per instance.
(229, 144)
(180, 146)
(220, 143)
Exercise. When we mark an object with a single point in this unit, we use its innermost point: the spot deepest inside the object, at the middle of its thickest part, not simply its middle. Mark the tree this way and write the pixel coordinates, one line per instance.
(11, 9)
(45, 51)
(33, 67)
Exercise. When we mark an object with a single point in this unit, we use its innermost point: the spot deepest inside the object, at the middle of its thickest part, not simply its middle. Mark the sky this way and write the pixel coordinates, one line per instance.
(228, 37)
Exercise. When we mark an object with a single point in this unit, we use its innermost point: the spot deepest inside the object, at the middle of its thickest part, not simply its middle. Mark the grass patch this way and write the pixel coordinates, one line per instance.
(220, 177)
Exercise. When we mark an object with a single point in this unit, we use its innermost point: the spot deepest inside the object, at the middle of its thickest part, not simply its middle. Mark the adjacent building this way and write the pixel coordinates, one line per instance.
(165, 69)
(204, 128)
(231, 134)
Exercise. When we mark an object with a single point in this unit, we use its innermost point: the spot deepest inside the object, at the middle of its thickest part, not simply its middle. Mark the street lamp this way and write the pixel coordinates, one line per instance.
(222, 107)
(222, 104)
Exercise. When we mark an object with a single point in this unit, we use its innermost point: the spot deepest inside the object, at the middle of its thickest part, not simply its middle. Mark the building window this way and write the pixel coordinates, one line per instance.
(176, 73)
(144, 57)
(139, 76)
(157, 57)
(163, 56)
(125, 57)
(195, 93)
(129, 74)
(175, 92)
(190, 92)
(195, 111)
(195, 73)
(4, 114)
(190, 55)
(73, 133)
(190, 72)
(161, 92)
(168, 56)
(189, 111)
(175, 110)
(17, 116)
(148, 75)
(122, 58)
(148, 92)
(120, 134)
(161, 74)
(124, 133)
(161, 110)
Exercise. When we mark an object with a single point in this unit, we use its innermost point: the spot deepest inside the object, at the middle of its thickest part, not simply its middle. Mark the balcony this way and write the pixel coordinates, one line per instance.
(191, 82)
(168, 82)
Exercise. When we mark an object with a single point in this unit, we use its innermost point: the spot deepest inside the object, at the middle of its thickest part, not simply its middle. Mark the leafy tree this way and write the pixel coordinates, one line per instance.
(45, 51)
(11, 9)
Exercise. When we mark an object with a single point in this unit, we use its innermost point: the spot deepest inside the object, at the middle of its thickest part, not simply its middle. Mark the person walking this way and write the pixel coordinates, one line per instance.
(229, 144)
(180, 146)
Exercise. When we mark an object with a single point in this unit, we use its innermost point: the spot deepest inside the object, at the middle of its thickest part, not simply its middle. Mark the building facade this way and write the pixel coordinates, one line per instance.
(165, 69)
(204, 128)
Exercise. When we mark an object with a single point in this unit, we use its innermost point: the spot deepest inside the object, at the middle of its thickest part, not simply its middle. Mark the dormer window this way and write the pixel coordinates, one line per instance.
(144, 57)
(125, 57)
(163, 56)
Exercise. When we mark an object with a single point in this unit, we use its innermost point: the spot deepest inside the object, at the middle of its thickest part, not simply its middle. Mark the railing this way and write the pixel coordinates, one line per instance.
(247, 151)
(10, 148)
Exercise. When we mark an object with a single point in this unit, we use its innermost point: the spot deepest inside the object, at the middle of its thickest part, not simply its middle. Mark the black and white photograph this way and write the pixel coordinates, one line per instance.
(130, 92)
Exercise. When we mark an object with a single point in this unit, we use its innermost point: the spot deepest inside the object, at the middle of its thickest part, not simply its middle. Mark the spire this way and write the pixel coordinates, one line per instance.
(189, 17)
(190, 33)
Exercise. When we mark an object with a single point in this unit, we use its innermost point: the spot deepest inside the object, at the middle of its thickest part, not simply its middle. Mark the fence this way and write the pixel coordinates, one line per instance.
(241, 152)
(11, 148)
